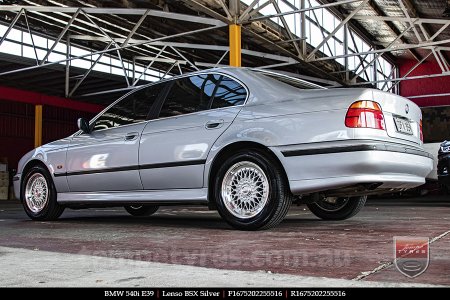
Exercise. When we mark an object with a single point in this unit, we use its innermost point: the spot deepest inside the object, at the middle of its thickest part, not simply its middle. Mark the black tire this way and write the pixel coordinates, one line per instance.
(279, 195)
(51, 210)
(141, 210)
(338, 211)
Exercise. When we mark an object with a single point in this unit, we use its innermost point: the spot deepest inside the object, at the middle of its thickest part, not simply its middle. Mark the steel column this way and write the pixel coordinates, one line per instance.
(235, 45)
(37, 125)
(303, 28)
(67, 82)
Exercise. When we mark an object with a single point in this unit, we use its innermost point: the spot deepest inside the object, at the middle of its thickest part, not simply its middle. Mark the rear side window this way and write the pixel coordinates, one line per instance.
(229, 93)
(132, 109)
(189, 95)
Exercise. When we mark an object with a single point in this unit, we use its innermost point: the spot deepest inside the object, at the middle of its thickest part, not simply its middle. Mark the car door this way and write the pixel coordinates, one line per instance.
(196, 111)
(107, 158)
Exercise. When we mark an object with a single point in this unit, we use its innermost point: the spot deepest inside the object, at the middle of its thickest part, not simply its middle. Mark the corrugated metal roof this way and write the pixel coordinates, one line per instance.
(385, 32)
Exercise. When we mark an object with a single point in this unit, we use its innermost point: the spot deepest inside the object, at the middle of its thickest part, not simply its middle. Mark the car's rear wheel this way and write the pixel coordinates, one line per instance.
(251, 191)
(38, 195)
(337, 208)
(141, 210)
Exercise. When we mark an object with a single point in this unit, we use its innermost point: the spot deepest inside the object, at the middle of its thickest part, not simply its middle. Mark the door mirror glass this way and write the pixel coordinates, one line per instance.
(83, 125)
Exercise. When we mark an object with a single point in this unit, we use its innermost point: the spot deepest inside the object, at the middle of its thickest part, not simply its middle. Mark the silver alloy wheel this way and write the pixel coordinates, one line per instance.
(332, 204)
(245, 190)
(36, 192)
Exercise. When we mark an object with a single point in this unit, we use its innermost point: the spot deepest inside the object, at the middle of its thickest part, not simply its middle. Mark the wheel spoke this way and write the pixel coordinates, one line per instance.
(245, 189)
(36, 192)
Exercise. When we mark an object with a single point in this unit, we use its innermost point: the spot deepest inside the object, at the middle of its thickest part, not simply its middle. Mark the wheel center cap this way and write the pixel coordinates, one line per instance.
(246, 191)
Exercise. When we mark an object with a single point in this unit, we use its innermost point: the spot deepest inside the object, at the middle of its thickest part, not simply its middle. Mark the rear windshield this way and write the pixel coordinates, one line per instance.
(294, 82)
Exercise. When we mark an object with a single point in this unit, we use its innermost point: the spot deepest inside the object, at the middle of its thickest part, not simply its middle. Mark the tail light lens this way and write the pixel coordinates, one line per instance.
(421, 131)
(365, 114)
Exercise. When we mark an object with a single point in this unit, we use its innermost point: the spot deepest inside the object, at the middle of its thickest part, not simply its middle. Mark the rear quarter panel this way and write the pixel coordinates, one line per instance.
(277, 114)
(292, 117)
(296, 117)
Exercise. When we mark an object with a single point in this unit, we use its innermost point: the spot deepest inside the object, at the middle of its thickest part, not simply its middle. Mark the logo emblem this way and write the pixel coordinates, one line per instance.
(412, 255)
(407, 108)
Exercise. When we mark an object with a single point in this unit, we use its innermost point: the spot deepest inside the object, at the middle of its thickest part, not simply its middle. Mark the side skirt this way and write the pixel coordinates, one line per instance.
(181, 196)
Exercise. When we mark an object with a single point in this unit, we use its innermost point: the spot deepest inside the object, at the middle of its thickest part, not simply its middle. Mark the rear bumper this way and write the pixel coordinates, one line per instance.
(329, 166)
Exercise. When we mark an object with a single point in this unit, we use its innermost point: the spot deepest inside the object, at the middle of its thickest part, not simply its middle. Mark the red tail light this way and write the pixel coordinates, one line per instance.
(421, 131)
(365, 114)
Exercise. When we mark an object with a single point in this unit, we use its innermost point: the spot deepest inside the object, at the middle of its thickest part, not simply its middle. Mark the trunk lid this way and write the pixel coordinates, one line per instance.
(402, 116)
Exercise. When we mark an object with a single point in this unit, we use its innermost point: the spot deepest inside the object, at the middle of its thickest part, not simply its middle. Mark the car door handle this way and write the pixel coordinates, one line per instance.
(213, 124)
(131, 136)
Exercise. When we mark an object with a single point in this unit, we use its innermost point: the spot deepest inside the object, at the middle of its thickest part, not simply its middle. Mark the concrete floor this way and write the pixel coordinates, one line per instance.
(107, 247)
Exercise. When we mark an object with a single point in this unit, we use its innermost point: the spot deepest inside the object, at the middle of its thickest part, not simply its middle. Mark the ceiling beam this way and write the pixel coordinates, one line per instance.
(374, 5)
(116, 11)
(401, 19)
(317, 70)
(357, 28)
(400, 47)
(206, 10)
(412, 11)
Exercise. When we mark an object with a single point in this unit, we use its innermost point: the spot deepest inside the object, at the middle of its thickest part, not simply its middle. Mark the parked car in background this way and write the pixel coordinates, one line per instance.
(243, 141)
(444, 165)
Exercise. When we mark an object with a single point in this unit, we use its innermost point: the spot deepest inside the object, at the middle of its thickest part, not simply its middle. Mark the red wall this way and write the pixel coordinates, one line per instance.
(17, 108)
(17, 127)
(12, 94)
(424, 86)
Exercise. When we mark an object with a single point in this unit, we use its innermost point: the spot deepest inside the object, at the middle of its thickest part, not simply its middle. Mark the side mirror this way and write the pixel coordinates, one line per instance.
(83, 125)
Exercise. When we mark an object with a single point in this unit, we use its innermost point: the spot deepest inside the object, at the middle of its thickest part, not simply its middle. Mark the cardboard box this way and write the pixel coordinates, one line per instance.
(4, 182)
(3, 164)
(4, 193)
(4, 175)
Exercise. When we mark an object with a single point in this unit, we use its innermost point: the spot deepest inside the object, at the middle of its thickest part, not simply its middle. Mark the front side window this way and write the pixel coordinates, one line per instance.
(132, 109)
(189, 95)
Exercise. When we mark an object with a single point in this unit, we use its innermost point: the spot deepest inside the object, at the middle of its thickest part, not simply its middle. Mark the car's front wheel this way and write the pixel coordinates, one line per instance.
(38, 195)
(251, 192)
(141, 210)
(337, 208)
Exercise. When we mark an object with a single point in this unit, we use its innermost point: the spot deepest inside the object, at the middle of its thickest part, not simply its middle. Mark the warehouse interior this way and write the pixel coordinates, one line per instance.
(65, 59)
(370, 43)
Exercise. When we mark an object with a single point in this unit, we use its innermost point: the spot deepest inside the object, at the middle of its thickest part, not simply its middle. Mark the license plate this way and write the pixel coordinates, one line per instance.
(403, 126)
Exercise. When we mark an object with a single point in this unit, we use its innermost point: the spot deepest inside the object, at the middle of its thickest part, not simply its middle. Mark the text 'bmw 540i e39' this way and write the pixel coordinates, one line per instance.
(245, 142)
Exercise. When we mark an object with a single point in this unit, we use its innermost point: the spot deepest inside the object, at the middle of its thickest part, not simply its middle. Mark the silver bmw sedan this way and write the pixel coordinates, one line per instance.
(245, 142)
